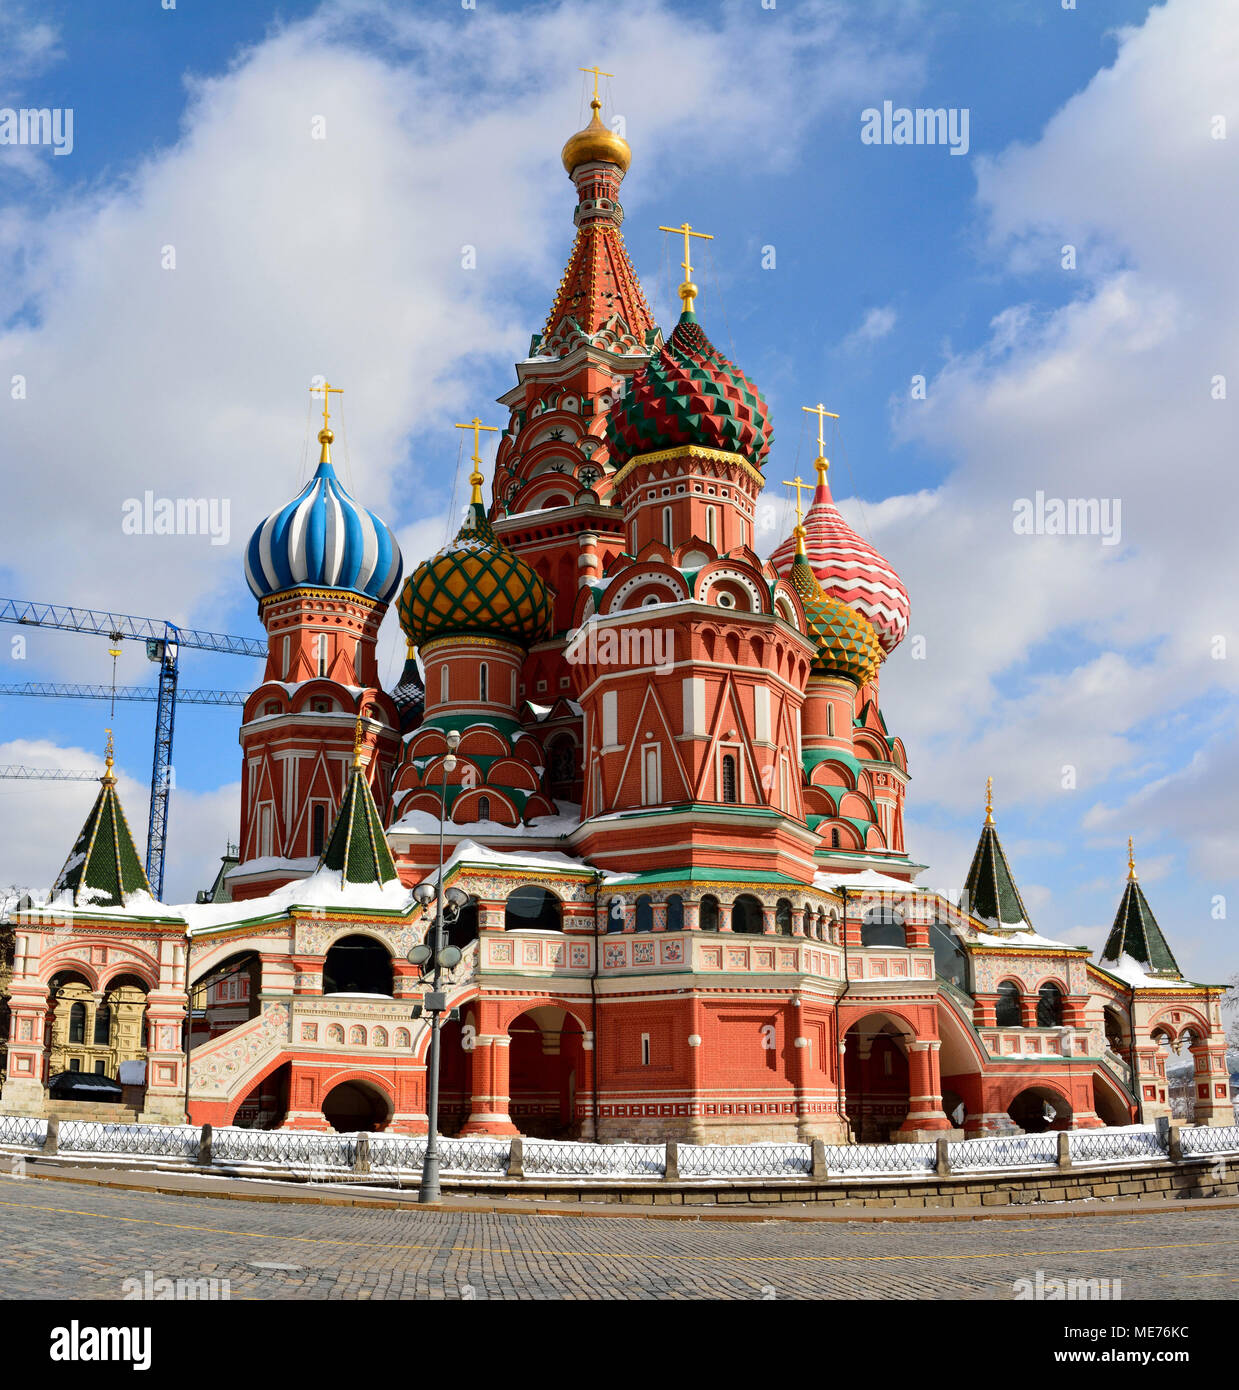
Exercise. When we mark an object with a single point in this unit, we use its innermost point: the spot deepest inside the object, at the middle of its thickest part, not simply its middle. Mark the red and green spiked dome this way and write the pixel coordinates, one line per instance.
(475, 586)
(847, 644)
(689, 393)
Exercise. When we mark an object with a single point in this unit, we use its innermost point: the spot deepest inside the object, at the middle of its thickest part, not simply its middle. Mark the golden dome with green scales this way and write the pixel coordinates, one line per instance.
(475, 586)
(847, 644)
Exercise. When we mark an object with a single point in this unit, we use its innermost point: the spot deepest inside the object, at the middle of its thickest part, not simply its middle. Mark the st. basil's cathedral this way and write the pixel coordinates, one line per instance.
(675, 809)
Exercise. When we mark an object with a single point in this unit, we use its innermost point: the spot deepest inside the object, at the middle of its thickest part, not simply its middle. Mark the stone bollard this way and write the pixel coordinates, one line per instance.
(944, 1158)
(1174, 1143)
(206, 1143)
(1064, 1148)
(516, 1158)
(51, 1145)
(819, 1161)
(671, 1164)
(361, 1154)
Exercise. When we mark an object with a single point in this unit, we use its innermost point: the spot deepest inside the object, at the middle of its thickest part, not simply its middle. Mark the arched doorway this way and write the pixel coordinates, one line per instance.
(531, 908)
(356, 1106)
(1038, 1109)
(358, 965)
(266, 1106)
(545, 1071)
(746, 915)
(875, 1077)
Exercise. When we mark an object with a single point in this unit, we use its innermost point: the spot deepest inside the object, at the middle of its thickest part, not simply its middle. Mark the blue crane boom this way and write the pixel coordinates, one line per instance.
(163, 642)
(45, 774)
(59, 691)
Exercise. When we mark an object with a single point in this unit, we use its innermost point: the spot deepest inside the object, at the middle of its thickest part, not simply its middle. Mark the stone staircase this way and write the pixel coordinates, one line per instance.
(113, 1112)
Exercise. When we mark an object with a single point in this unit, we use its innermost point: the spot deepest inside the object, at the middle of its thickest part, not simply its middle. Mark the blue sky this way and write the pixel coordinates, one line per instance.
(1041, 653)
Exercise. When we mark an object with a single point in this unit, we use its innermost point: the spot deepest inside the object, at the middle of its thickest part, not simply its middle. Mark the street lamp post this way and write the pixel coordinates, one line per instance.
(435, 952)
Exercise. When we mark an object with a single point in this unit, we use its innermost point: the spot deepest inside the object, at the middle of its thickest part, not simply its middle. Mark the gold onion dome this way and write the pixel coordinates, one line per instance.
(475, 586)
(847, 644)
(596, 143)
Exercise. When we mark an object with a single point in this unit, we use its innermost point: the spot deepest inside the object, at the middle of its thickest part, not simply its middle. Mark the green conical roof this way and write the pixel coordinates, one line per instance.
(1136, 934)
(989, 890)
(103, 866)
(357, 847)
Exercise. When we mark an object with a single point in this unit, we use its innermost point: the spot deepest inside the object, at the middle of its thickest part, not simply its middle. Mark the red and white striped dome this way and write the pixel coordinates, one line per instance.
(849, 568)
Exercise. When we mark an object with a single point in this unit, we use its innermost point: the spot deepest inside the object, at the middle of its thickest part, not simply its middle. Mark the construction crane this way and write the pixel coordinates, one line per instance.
(15, 771)
(163, 641)
(57, 691)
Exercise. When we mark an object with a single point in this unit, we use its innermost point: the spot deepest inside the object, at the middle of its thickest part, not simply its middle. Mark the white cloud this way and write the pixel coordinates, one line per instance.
(876, 324)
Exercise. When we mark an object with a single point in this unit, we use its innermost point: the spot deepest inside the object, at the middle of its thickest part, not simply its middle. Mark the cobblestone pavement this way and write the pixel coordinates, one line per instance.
(66, 1241)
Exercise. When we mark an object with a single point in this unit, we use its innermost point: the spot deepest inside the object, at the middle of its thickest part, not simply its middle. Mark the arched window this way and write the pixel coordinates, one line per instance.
(645, 913)
(667, 527)
(708, 916)
(783, 917)
(444, 683)
(746, 915)
(729, 778)
(465, 928)
(357, 965)
(712, 526)
(318, 833)
(834, 837)
(77, 1023)
(675, 913)
(828, 931)
(483, 682)
(483, 808)
(950, 959)
(615, 914)
(882, 927)
(1049, 1007)
(103, 1026)
(532, 909)
(1007, 1010)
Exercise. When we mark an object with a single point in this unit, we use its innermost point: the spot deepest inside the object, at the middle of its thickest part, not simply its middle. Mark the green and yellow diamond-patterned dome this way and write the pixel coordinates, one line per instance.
(475, 586)
(847, 644)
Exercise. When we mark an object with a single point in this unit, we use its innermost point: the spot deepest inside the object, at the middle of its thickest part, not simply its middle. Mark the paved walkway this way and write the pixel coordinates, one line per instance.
(83, 1240)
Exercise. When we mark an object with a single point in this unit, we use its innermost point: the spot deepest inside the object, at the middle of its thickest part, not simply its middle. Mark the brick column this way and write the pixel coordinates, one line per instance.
(24, 1092)
(488, 1079)
(924, 1090)
(1028, 1010)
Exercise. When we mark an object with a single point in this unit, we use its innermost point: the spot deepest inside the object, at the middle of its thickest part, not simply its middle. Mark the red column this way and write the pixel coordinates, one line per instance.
(924, 1089)
(488, 1074)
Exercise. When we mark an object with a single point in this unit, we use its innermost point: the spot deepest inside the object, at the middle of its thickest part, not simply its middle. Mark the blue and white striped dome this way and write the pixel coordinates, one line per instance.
(323, 539)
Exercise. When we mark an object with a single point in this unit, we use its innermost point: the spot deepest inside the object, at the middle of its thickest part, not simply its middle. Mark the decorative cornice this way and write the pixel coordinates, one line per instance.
(696, 451)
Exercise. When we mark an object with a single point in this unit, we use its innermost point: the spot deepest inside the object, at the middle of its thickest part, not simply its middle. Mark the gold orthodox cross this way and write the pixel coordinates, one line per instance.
(989, 801)
(688, 291)
(597, 72)
(821, 463)
(327, 389)
(475, 478)
(800, 485)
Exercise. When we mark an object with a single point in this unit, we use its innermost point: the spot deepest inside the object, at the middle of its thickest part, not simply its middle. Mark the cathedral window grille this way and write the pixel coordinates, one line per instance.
(483, 808)
(483, 682)
(834, 837)
(318, 834)
(667, 527)
(729, 779)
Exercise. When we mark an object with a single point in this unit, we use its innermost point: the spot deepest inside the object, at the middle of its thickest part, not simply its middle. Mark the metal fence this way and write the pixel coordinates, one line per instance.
(548, 1157)
(746, 1160)
(283, 1148)
(881, 1158)
(1210, 1140)
(1105, 1145)
(22, 1130)
(150, 1141)
(482, 1156)
(1011, 1151)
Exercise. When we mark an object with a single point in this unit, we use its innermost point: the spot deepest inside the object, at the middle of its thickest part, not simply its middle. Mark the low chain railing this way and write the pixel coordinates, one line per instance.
(1101, 1145)
(148, 1141)
(746, 1160)
(1008, 1151)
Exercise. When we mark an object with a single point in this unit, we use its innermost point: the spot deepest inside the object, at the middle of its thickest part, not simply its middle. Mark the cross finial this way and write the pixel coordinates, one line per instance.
(989, 801)
(1131, 859)
(801, 486)
(821, 463)
(688, 291)
(597, 72)
(475, 478)
(108, 779)
(325, 435)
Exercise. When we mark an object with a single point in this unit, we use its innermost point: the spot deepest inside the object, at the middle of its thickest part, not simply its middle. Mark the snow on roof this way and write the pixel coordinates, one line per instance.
(321, 889)
(539, 828)
(867, 878)
(1132, 972)
(469, 851)
(1021, 935)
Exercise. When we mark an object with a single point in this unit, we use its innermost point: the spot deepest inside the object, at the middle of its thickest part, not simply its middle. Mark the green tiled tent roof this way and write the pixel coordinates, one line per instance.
(357, 847)
(990, 891)
(1136, 934)
(103, 866)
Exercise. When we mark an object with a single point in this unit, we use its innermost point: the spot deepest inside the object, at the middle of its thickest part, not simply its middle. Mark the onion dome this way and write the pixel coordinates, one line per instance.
(689, 393)
(596, 143)
(323, 539)
(847, 645)
(476, 586)
(848, 567)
